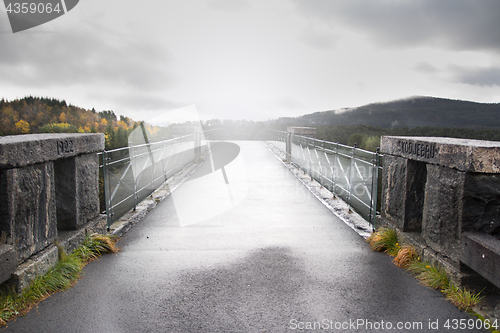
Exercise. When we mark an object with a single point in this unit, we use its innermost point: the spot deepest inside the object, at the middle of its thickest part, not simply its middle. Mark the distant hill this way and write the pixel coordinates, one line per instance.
(410, 112)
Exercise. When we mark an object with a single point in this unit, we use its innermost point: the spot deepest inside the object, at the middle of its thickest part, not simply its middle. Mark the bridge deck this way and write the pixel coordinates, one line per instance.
(267, 258)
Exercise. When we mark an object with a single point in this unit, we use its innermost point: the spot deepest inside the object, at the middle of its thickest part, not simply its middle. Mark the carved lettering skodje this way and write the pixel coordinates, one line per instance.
(65, 147)
(425, 150)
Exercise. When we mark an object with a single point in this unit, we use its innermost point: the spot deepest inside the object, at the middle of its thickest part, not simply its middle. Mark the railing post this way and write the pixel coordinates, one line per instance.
(373, 206)
(133, 160)
(311, 168)
(152, 165)
(351, 168)
(197, 144)
(334, 169)
(107, 187)
(288, 146)
(321, 162)
(164, 163)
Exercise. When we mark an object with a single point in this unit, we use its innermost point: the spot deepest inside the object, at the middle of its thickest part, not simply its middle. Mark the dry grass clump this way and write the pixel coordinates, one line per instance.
(406, 255)
(385, 239)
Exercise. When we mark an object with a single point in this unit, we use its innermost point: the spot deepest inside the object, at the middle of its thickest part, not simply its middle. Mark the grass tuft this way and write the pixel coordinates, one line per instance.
(429, 275)
(7, 305)
(62, 276)
(385, 239)
(95, 245)
(106, 243)
(461, 297)
(406, 255)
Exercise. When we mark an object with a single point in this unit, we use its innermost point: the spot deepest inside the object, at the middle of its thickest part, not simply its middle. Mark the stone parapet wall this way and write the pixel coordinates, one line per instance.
(48, 183)
(460, 154)
(22, 150)
(440, 189)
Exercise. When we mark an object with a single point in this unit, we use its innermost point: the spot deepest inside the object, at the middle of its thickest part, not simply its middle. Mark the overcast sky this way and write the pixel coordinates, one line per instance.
(255, 59)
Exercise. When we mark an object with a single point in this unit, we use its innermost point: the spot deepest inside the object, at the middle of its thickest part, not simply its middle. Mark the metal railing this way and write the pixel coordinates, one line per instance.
(350, 173)
(132, 173)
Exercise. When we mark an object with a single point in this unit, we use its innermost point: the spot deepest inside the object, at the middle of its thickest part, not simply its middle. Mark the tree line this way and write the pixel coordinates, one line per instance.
(48, 115)
(368, 137)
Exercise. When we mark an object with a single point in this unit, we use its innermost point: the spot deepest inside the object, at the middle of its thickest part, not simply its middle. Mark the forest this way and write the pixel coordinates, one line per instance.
(368, 137)
(31, 115)
(48, 115)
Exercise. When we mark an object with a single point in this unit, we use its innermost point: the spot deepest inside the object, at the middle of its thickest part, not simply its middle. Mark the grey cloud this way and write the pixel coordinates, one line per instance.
(90, 54)
(289, 103)
(149, 102)
(228, 5)
(484, 76)
(319, 39)
(140, 105)
(425, 67)
(451, 24)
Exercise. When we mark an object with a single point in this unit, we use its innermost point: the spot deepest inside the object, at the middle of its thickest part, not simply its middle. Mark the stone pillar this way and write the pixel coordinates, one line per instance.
(442, 222)
(47, 182)
(77, 195)
(403, 193)
(441, 189)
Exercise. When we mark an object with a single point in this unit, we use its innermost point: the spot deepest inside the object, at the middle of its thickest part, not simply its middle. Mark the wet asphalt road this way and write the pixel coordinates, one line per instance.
(271, 258)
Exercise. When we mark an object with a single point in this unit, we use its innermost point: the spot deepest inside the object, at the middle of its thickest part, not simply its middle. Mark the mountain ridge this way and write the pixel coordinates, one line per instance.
(415, 111)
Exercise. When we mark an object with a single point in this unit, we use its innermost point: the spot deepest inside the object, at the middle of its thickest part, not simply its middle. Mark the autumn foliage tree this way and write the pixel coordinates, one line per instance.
(44, 115)
(23, 127)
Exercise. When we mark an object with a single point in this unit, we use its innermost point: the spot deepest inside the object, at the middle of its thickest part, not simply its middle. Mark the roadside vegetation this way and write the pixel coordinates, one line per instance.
(61, 277)
(430, 275)
(385, 239)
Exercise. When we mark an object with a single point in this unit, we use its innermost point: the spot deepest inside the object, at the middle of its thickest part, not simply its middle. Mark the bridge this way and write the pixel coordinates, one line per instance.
(267, 255)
